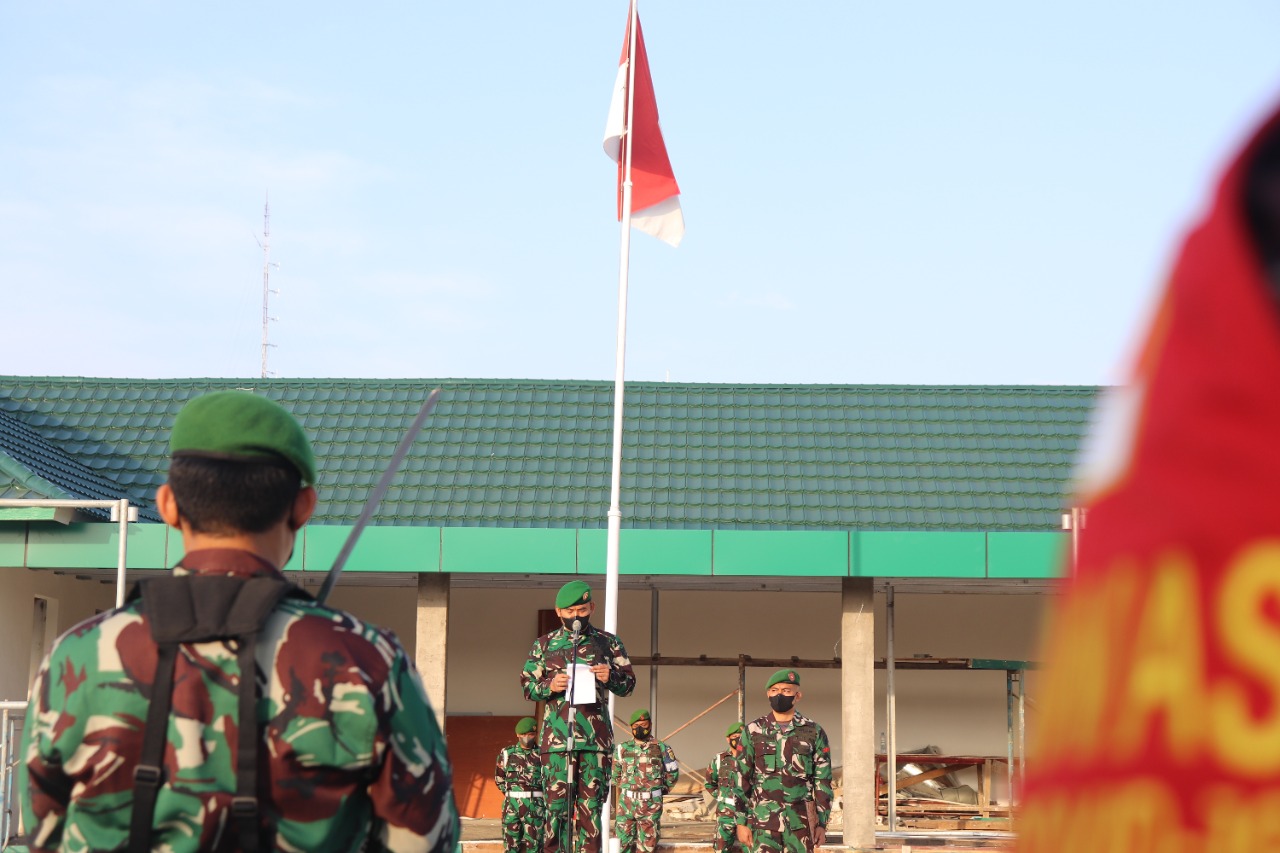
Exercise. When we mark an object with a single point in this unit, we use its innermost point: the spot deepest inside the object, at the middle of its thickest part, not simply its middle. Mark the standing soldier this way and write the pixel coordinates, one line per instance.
(784, 772)
(272, 722)
(721, 781)
(577, 734)
(643, 770)
(520, 777)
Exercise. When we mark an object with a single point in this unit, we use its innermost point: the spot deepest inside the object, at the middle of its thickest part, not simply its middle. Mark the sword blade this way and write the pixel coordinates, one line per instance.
(375, 497)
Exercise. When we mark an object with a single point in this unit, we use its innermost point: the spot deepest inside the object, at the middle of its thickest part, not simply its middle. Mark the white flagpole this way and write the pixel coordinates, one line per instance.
(615, 484)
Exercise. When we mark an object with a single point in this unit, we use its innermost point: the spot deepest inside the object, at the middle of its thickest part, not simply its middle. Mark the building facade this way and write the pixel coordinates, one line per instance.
(760, 521)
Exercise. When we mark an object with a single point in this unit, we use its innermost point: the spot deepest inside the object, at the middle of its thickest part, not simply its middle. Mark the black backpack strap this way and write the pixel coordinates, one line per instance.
(244, 806)
(149, 773)
(193, 609)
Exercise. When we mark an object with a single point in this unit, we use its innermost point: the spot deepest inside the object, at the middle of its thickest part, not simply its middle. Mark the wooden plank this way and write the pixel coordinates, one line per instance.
(984, 795)
(951, 760)
(767, 663)
(935, 664)
(908, 781)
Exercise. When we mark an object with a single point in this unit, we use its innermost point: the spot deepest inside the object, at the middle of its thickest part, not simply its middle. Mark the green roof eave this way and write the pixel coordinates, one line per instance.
(523, 550)
(11, 514)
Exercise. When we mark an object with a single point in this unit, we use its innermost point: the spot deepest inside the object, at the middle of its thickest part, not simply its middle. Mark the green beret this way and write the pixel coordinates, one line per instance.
(240, 426)
(642, 714)
(790, 676)
(525, 726)
(573, 593)
(733, 730)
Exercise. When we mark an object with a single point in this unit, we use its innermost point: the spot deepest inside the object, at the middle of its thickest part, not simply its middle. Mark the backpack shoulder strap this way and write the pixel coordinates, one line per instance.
(149, 772)
(244, 805)
(193, 609)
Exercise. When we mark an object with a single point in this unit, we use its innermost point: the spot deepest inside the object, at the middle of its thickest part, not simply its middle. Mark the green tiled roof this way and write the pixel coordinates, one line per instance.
(32, 467)
(515, 453)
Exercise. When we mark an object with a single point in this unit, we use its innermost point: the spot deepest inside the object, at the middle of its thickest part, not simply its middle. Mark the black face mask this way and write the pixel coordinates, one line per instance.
(640, 732)
(781, 702)
(526, 741)
(568, 623)
(734, 743)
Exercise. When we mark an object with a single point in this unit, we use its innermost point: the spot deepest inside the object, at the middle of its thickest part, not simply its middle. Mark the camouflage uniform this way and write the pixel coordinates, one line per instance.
(520, 777)
(642, 771)
(781, 768)
(592, 729)
(722, 778)
(350, 751)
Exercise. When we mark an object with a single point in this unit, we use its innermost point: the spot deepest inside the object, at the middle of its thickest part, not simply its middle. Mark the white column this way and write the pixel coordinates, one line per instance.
(432, 637)
(857, 702)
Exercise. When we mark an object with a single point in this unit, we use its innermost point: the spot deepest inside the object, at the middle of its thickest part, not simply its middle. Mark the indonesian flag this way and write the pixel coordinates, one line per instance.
(655, 196)
(1160, 713)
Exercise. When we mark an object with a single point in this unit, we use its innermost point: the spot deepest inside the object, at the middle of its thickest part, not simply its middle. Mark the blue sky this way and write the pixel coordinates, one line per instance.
(928, 192)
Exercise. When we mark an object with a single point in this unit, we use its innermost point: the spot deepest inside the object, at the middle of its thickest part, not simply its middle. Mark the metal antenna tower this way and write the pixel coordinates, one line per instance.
(266, 283)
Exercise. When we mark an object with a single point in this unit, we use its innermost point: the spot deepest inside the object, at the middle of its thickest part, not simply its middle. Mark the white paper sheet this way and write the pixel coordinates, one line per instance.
(584, 685)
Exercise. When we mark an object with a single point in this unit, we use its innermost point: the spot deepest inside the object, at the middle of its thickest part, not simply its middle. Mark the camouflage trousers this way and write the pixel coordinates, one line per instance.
(591, 786)
(726, 838)
(523, 822)
(639, 823)
(780, 826)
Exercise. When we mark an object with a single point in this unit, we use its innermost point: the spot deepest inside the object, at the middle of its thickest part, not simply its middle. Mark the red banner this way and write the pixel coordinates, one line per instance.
(1160, 723)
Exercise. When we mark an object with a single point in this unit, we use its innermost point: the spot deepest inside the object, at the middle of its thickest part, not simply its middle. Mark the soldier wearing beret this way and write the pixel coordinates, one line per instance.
(520, 778)
(643, 770)
(784, 773)
(271, 722)
(721, 776)
(577, 740)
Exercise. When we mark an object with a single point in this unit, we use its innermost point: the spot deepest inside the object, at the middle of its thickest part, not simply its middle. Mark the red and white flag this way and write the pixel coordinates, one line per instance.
(655, 196)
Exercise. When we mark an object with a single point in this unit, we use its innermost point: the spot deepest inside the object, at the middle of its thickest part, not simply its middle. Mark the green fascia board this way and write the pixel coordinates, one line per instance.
(919, 555)
(13, 545)
(647, 552)
(781, 553)
(96, 546)
(379, 549)
(1026, 555)
(519, 550)
(175, 549)
(34, 513)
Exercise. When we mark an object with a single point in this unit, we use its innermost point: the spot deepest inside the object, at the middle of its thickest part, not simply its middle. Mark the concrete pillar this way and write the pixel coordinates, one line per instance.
(857, 703)
(432, 637)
